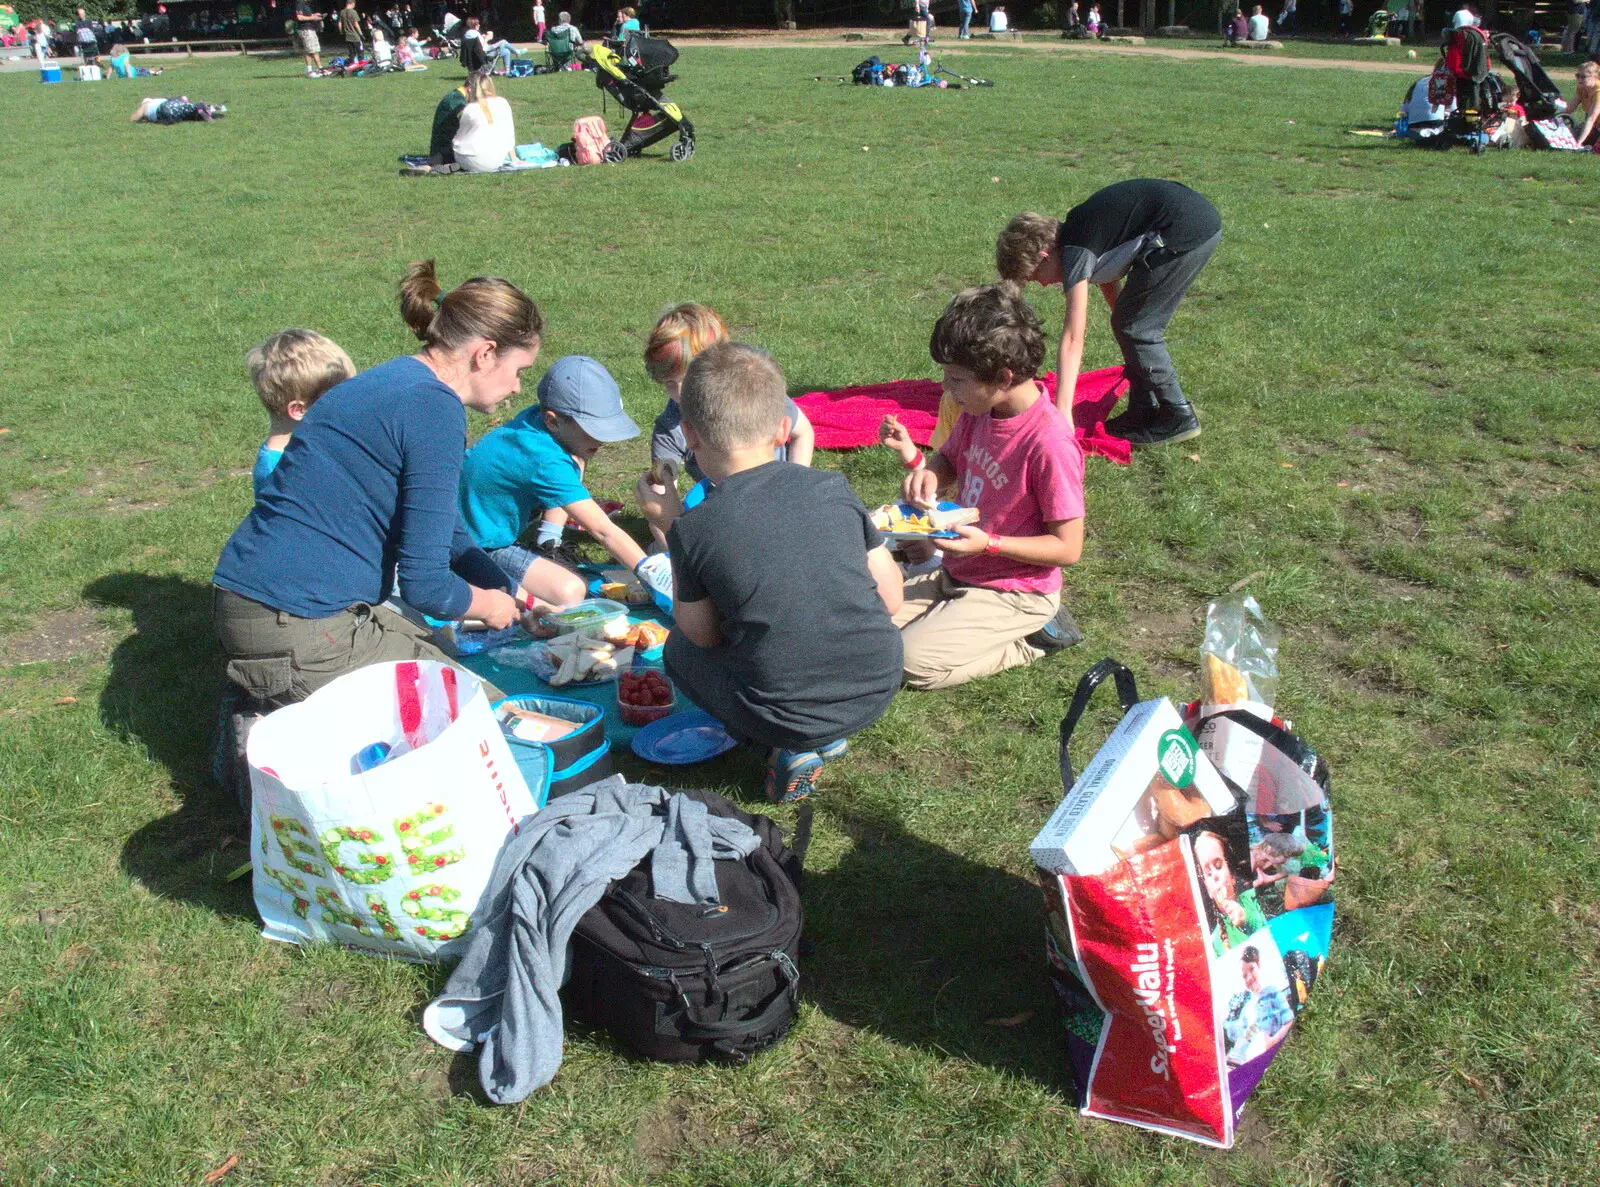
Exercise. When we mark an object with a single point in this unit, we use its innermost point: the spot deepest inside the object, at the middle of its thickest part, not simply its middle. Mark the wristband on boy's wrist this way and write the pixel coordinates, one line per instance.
(993, 546)
(917, 462)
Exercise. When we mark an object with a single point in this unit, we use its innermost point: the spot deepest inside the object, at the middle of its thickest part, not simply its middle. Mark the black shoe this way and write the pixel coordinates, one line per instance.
(1172, 423)
(1056, 635)
(1132, 418)
(559, 551)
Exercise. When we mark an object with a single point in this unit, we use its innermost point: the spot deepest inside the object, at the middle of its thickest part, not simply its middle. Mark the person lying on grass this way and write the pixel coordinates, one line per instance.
(535, 463)
(175, 111)
(367, 487)
(783, 586)
(122, 64)
(996, 601)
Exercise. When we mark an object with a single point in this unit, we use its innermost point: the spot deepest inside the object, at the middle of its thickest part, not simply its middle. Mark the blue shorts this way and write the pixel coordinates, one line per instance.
(513, 560)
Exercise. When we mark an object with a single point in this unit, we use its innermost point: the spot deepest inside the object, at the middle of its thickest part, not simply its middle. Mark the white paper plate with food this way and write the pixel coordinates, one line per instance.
(902, 521)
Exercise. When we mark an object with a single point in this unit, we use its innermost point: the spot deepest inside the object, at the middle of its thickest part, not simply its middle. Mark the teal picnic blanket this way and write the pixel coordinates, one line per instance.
(514, 678)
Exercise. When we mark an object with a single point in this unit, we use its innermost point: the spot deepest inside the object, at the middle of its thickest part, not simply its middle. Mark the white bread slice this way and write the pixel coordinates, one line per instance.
(944, 520)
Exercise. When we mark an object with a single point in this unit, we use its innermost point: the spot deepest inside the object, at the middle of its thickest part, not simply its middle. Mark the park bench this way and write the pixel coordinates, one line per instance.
(244, 45)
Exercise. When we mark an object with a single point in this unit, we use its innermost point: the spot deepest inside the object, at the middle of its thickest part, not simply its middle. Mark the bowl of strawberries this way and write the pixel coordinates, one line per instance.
(645, 695)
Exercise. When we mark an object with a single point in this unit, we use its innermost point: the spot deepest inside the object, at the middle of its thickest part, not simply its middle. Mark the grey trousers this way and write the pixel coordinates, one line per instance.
(1150, 295)
(280, 659)
(703, 675)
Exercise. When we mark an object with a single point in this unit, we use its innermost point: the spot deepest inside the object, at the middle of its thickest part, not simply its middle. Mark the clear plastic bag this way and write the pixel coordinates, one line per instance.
(1239, 656)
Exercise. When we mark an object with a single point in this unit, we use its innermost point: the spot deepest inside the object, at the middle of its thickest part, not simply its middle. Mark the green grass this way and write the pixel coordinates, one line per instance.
(1395, 365)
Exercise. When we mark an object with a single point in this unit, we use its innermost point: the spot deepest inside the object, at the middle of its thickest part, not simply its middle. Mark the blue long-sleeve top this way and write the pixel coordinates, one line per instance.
(368, 484)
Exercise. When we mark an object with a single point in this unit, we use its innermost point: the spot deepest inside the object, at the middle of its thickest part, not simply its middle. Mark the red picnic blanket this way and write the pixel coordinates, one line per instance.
(849, 418)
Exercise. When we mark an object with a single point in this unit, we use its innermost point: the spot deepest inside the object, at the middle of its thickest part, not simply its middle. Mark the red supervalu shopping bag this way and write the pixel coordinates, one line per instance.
(1189, 908)
(1139, 937)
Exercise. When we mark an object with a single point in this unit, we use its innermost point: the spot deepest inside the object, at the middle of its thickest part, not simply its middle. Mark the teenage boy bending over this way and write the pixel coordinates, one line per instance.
(996, 602)
(783, 588)
(1142, 242)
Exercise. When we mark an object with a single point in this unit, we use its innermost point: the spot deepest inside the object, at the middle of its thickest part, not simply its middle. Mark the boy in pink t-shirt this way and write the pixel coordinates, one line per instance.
(996, 602)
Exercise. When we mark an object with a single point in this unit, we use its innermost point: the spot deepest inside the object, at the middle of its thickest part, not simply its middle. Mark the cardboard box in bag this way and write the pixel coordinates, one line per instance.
(1148, 780)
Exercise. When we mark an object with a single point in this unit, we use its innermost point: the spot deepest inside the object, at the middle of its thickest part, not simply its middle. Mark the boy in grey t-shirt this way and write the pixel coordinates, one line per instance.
(783, 587)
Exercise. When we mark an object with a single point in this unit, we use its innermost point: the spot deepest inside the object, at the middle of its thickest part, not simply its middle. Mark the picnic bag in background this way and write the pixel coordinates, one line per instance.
(868, 73)
(1189, 909)
(589, 140)
(379, 805)
(681, 983)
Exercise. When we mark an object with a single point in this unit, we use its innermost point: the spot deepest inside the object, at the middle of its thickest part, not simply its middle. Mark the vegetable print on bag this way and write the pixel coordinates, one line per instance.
(457, 921)
(417, 844)
(294, 886)
(382, 863)
(332, 912)
(295, 851)
(390, 859)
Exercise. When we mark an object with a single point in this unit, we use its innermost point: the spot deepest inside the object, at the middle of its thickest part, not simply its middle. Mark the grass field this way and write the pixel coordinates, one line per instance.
(1393, 355)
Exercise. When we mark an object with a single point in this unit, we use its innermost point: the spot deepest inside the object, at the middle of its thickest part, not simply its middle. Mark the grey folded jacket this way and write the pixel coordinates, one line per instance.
(504, 994)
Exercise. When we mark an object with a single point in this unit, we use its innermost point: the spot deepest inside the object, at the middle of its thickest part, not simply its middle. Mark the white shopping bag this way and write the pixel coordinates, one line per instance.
(392, 859)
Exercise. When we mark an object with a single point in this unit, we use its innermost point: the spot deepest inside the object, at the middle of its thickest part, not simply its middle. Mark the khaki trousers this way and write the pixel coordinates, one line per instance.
(280, 659)
(954, 633)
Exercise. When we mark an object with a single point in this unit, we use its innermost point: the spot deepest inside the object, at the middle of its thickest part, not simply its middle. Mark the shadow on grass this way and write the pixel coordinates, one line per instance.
(933, 950)
(163, 691)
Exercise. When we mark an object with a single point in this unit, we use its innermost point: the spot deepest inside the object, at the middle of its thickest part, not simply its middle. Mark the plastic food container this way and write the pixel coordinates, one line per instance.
(50, 74)
(635, 712)
(587, 613)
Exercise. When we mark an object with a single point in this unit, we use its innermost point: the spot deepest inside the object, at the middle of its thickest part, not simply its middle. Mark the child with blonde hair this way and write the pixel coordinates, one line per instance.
(680, 334)
(382, 51)
(1587, 101)
(291, 370)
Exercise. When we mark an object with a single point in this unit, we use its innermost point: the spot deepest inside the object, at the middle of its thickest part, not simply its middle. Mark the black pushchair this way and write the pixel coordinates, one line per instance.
(634, 72)
(1536, 91)
(1464, 72)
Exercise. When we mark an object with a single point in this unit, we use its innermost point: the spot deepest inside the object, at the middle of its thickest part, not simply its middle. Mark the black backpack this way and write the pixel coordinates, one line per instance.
(683, 982)
(868, 73)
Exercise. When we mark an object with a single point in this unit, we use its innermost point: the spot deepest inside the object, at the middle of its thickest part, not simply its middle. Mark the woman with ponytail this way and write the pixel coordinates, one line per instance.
(367, 492)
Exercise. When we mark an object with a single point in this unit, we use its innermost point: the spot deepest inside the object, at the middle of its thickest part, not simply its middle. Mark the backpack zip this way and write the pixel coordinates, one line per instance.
(664, 935)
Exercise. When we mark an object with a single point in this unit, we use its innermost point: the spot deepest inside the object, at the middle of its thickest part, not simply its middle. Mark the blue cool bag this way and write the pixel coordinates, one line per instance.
(577, 760)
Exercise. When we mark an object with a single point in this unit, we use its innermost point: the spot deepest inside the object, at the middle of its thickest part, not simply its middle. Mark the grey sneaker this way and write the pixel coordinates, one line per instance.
(1058, 634)
(1171, 424)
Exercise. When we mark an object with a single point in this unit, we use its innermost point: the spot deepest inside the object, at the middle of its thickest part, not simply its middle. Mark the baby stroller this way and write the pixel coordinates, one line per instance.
(634, 73)
(1463, 74)
(1538, 94)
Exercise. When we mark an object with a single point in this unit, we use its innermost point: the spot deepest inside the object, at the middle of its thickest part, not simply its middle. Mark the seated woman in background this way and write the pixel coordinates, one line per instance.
(501, 53)
(122, 64)
(486, 136)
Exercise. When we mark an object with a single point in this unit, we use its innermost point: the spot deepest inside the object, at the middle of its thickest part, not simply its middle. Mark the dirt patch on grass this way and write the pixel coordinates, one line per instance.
(661, 1134)
(62, 635)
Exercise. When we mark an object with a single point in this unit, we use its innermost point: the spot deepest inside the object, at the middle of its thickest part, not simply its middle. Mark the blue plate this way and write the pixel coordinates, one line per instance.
(908, 509)
(682, 739)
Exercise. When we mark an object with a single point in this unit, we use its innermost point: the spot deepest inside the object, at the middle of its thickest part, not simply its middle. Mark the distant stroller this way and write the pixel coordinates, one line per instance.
(1464, 76)
(634, 73)
(1536, 91)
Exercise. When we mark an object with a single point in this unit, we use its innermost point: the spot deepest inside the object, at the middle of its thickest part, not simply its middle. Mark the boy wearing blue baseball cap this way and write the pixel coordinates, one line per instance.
(535, 463)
